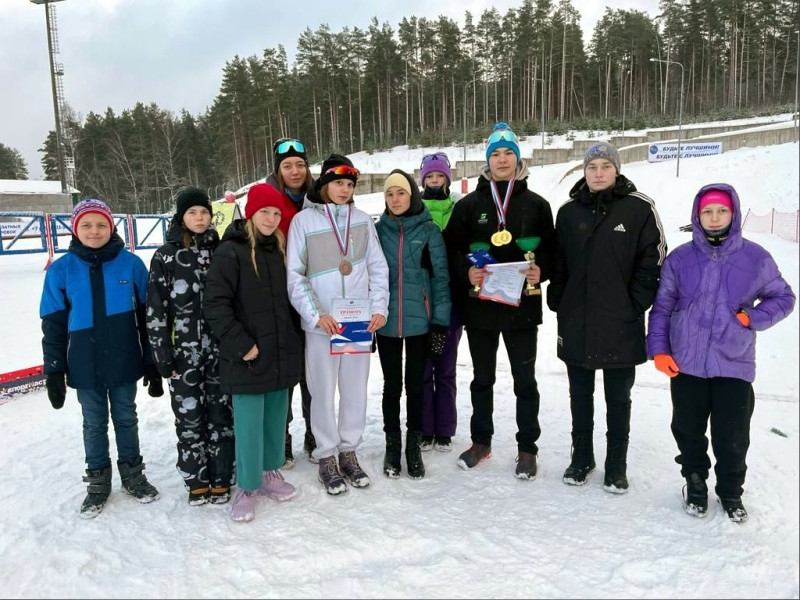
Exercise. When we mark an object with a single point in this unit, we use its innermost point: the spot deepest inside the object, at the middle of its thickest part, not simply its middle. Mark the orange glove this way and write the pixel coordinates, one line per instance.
(743, 318)
(666, 365)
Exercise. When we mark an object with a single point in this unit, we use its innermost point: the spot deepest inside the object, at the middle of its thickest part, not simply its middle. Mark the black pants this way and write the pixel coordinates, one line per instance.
(617, 385)
(305, 400)
(521, 348)
(203, 423)
(390, 351)
(729, 404)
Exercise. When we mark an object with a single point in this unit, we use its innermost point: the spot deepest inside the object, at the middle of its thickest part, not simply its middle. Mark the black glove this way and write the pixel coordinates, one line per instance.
(437, 338)
(57, 389)
(152, 381)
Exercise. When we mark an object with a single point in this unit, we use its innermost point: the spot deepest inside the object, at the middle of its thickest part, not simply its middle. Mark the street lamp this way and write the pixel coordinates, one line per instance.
(464, 174)
(62, 173)
(680, 111)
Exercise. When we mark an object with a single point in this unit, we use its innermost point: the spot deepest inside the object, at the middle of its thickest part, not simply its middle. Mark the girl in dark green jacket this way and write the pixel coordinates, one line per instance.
(419, 313)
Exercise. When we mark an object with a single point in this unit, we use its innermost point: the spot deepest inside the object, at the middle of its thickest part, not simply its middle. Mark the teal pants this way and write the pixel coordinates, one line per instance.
(259, 425)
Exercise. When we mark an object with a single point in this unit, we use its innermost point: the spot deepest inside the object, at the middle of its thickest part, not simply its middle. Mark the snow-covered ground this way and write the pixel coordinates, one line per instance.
(453, 534)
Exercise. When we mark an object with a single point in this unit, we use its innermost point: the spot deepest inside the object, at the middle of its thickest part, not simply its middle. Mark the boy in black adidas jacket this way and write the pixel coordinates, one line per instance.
(611, 246)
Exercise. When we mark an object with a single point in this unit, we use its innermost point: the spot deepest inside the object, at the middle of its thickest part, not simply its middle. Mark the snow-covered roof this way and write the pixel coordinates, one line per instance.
(28, 186)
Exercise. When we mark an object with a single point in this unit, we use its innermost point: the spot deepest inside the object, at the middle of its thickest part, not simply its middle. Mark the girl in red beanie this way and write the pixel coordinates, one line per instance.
(248, 308)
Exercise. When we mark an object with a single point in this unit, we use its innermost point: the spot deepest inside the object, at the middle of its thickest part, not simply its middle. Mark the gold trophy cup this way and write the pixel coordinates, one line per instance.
(528, 245)
(474, 247)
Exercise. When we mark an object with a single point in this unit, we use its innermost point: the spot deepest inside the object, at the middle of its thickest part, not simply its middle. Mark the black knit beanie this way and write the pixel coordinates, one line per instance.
(327, 174)
(186, 198)
(290, 147)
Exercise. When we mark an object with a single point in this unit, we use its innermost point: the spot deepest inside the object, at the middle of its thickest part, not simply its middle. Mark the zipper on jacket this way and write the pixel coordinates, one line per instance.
(427, 304)
(400, 283)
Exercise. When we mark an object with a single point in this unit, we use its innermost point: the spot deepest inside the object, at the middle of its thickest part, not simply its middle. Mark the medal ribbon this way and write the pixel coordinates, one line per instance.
(344, 244)
(501, 208)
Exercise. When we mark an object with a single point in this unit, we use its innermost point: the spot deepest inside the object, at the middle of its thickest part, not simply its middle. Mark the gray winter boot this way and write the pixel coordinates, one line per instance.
(391, 461)
(416, 468)
(99, 489)
(135, 483)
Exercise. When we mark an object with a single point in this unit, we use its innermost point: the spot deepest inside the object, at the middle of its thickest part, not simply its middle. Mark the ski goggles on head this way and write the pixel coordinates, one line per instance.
(343, 170)
(286, 145)
(436, 156)
(504, 135)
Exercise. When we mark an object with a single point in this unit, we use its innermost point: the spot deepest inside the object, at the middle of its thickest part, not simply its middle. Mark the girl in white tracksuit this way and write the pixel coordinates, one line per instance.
(333, 252)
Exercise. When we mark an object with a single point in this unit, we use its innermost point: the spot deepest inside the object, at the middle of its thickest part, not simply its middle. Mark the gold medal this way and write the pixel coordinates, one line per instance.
(497, 238)
(506, 236)
(345, 267)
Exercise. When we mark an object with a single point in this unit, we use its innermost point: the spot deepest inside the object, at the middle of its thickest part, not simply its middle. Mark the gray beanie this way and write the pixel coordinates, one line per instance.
(602, 150)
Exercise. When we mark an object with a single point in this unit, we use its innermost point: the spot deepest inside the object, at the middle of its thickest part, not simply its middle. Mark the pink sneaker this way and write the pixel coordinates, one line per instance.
(244, 506)
(274, 486)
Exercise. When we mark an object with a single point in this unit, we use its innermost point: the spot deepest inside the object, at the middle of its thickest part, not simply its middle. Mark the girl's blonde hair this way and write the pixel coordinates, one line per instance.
(252, 236)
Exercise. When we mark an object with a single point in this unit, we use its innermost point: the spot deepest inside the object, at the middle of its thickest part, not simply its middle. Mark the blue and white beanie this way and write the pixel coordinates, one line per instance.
(502, 137)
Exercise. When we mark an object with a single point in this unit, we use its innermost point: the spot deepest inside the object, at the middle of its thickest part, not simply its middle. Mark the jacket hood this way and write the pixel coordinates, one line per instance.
(416, 207)
(734, 239)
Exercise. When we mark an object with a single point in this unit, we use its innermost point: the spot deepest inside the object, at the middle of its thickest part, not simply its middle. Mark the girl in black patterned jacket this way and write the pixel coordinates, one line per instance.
(185, 350)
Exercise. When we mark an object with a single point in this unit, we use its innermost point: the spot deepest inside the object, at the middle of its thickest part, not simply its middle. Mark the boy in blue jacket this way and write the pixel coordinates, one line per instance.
(92, 311)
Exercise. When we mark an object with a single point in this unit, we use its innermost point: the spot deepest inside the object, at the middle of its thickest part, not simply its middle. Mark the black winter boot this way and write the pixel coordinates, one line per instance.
(135, 483)
(288, 457)
(695, 498)
(616, 480)
(582, 462)
(99, 489)
(391, 461)
(416, 469)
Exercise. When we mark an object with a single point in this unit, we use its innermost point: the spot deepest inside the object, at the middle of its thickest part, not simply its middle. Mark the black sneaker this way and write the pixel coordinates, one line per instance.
(443, 444)
(330, 477)
(473, 455)
(526, 466)
(427, 443)
(352, 471)
(734, 508)
(288, 460)
(309, 445)
(695, 496)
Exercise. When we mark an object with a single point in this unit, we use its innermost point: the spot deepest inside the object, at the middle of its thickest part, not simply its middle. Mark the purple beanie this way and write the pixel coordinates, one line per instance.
(434, 162)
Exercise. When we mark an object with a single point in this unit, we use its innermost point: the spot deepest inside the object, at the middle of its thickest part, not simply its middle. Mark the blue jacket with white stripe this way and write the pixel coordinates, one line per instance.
(92, 311)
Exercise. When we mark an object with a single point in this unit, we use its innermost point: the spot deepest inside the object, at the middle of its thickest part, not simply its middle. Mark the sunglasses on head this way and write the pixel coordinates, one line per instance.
(286, 145)
(342, 170)
(436, 156)
(502, 135)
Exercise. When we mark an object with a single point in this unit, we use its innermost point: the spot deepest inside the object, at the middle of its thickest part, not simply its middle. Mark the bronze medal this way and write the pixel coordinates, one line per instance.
(345, 267)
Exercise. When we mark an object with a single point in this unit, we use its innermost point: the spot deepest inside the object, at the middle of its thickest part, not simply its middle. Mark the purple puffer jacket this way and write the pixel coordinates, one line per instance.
(701, 289)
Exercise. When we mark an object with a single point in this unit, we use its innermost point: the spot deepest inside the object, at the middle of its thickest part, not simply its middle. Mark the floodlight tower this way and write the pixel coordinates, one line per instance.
(56, 72)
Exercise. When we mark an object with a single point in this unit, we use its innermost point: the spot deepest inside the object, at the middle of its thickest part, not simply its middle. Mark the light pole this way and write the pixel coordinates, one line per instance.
(62, 173)
(464, 174)
(680, 111)
(542, 157)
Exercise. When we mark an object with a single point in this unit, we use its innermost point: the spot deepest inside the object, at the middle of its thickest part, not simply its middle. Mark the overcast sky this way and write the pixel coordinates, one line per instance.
(171, 52)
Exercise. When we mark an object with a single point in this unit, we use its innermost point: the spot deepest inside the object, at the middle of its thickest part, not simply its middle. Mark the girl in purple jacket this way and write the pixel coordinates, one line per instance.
(715, 293)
